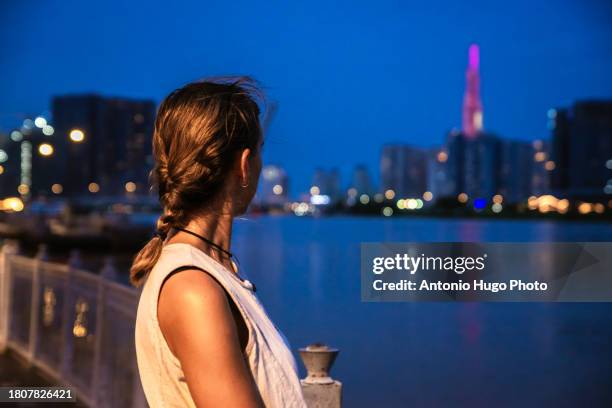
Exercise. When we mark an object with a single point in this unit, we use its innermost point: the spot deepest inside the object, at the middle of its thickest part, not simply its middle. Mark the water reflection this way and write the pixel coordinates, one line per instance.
(429, 354)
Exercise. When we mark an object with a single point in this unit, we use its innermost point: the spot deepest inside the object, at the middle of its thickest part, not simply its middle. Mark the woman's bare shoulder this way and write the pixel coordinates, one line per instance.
(188, 300)
(196, 320)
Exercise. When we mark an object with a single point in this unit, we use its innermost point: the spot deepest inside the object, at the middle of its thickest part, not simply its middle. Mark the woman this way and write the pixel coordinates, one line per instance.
(202, 337)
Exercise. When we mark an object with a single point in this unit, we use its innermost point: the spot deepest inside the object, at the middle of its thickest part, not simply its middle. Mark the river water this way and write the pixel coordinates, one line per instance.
(428, 354)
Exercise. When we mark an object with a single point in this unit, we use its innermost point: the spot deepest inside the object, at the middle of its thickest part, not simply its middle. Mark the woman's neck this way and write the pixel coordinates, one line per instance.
(214, 227)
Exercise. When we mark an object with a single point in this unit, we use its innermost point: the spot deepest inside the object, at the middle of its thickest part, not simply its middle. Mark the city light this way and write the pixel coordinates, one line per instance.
(427, 196)
(496, 208)
(11, 204)
(40, 122)
(1, 169)
(548, 203)
(45, 149)
(549, 165)
(57, 188)
(387, 211)
(23, 189)
(585, 208)
(130, 187)
(480, 203)
(93, 187)
(48, 130)
(16, 136)
(498, 199)
(379, 198)
(442, 156)
(277, 189)
(563, 206)
(364, 199)
(609, 164)
(462, 198)
(389, 194)
(77, 135)
(401, 204)
(411, 204)
(539, 156)
(532, 202)
(28, 124)
(3, 156)
(314, 190)
(538, 144)
(301, 209)
(352, 192)
(320, 199)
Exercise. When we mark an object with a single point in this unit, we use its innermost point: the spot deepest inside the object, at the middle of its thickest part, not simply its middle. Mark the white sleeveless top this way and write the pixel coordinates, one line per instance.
(269, 357)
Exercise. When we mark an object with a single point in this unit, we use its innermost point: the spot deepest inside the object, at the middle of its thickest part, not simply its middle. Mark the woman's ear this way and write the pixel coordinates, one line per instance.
(245, 167)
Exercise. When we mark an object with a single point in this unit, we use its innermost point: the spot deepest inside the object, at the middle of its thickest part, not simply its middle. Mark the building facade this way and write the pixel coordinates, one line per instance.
(104, 143)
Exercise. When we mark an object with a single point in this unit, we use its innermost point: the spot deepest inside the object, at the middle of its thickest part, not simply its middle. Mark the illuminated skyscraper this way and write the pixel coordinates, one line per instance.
(472, 105)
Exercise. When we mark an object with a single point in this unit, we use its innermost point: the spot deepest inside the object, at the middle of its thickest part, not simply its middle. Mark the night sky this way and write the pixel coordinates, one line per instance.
(347, 77)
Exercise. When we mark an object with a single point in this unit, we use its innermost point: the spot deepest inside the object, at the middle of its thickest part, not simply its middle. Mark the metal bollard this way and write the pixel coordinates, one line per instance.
(320, 390)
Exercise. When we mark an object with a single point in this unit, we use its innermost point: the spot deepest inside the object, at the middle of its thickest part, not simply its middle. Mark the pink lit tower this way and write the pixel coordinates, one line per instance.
(472, 105)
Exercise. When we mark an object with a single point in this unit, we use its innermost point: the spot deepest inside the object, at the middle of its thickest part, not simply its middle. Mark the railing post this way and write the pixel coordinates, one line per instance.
(320, 390)
(41, 256)
(9, 248)
(108, 272)
(74, 262)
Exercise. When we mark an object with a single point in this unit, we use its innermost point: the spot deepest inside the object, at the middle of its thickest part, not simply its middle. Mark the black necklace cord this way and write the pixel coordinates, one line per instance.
(208, 241)
(231, 256)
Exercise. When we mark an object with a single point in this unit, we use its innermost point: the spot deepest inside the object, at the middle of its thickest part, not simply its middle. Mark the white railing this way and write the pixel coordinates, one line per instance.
(78, 328)
(75, 326)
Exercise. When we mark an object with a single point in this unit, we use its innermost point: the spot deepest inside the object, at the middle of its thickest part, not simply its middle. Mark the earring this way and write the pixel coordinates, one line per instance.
(245, 185)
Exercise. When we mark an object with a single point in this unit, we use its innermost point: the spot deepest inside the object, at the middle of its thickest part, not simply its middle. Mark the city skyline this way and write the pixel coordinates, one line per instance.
(351, 78)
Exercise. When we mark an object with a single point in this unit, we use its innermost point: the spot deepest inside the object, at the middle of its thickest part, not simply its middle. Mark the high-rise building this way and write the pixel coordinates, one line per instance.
(327, 183)
(472, 165)
(481, 162)
(582, 150)
(439, 180)
(472, 104)
(274, 186)
(361, 181)
(455, 162)
(403, 169)
(105, 143)
(515, 170)
(559, 124)
(542, 167)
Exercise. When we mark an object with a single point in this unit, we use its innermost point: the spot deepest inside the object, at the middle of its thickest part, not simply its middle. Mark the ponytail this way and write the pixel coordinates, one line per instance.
(146, 259)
